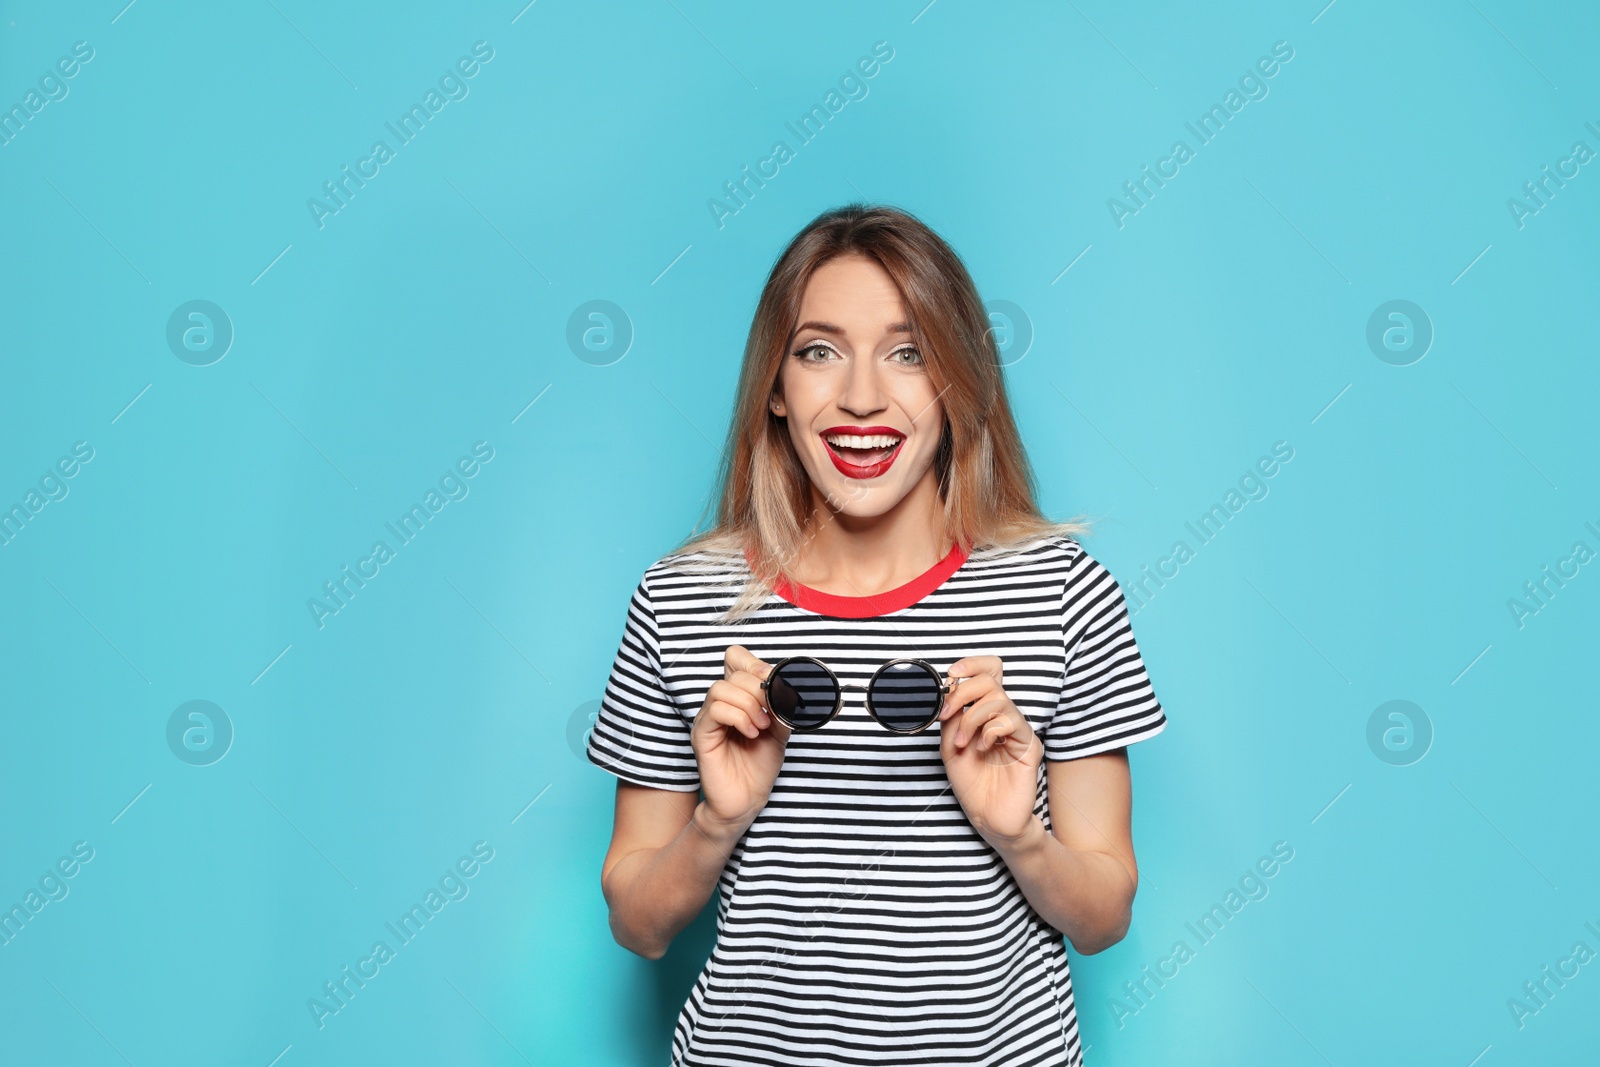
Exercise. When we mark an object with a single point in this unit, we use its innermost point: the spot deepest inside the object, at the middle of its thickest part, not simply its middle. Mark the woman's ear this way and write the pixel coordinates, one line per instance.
(776, 403)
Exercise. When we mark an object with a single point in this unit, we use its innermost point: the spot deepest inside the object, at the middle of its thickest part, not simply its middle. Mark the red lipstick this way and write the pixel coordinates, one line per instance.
(878, 466)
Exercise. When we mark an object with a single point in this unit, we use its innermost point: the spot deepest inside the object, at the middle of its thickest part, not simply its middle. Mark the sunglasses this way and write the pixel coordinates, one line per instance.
(904, 695)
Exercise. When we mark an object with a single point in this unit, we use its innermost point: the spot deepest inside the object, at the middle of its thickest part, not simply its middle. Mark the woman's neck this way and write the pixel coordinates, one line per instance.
(849, 555)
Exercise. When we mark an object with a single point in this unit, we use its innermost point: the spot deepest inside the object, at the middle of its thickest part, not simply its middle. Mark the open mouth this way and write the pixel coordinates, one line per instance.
(863, 455)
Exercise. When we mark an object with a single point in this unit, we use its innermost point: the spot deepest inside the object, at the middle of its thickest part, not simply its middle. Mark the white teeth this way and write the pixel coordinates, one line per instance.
(873, 440)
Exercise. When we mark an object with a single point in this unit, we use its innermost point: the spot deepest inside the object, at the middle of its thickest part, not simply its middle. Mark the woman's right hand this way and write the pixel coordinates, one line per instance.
(737, 743)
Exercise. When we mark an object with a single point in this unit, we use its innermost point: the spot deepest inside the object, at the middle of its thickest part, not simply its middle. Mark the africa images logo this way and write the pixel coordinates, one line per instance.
(453, 486)
(452, 886)
(452, 87)
(1252, 86)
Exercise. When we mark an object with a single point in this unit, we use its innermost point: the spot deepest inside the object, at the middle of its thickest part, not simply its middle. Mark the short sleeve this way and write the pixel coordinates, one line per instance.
(639, 734)
(1106, 697)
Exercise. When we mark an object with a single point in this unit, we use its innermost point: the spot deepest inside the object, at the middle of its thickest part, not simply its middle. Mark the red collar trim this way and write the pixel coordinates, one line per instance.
(867, 607)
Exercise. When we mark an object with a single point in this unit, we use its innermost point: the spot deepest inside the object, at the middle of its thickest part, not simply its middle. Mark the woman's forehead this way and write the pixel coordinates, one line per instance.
(849, 295)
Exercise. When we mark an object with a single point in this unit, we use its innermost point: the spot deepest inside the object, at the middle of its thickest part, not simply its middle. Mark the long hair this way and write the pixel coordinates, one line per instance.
(984, 478)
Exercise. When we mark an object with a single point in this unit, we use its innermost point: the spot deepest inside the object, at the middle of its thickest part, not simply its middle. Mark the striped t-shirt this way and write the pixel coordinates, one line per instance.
(861, 919)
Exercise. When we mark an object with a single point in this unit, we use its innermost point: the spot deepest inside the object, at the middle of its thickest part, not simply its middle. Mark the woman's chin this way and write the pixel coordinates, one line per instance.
(862, 499)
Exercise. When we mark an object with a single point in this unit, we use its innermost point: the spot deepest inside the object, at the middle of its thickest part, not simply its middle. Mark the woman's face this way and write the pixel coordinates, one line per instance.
(862, 412)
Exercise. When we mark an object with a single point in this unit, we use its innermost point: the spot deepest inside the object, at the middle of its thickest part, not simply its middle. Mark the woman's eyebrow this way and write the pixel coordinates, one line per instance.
(820, 327)
(838, 331)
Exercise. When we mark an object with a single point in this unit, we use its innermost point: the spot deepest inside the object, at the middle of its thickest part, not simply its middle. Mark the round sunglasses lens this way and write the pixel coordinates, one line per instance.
(802, 694)
(906, 696)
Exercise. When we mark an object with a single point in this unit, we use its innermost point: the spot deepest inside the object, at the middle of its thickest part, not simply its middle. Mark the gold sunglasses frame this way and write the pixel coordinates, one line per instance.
(839, 687)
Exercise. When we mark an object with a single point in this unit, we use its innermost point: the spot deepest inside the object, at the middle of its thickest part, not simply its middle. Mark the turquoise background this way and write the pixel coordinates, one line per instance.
(444, 704)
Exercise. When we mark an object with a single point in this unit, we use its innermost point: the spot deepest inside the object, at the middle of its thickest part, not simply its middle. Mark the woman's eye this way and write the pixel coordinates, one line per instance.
(802, 352)
(916, 357)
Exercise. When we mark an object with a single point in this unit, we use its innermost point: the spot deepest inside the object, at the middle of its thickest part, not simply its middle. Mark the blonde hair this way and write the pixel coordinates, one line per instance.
(984, 477)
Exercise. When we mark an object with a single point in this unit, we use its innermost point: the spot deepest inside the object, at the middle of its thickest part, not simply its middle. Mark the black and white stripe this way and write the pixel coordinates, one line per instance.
(861, 919)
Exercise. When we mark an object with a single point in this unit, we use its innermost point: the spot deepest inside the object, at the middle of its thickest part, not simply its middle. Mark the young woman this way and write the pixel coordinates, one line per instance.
(884, 704)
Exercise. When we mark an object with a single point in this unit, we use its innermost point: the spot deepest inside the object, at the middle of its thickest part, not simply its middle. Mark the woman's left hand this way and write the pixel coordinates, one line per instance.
(990, 751)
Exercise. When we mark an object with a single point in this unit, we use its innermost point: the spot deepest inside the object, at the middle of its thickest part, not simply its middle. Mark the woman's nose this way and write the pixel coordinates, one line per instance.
(863, 391)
